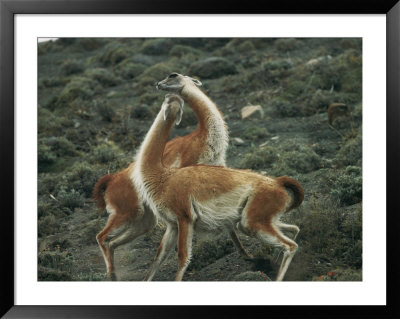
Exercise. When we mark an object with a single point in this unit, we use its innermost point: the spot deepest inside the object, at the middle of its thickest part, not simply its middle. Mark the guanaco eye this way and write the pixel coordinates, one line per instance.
(173, 75)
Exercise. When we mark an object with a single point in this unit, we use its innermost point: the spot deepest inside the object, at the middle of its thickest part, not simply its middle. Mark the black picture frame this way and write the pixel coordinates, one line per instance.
(8, 10)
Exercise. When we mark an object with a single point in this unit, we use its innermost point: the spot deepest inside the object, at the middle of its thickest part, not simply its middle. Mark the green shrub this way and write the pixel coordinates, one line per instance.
(351, 152)
(246, 46)
(70, 199)
(328, 232)
(255, 133)
(46, 157)
(303, 160)
(284, 108)
(150, 99)
(351, 43)
(59, 145)
(70, 67)
(82, 177)
(48, 274)
(90, 44)
(179, 50)
(103, 76)
(114, 53)
(44, 209)
(105, 153)
(347, 187)
(105, 110)
(213, 67)
(78, 87)
(65, 41)
(129, 69)
(141, 112)
(158, 71)
(51, 82)
(288, 44)
(62, 261)
(156, 46)
(48, 183)
(261, 158)
(277, 65)
(47, 226)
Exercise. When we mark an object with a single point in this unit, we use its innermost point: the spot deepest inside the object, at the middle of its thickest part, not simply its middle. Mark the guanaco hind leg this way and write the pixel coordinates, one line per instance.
(290, 228)
(238, 244)
(272, 235)
(185, 237)
(129, 233)
(113, 223)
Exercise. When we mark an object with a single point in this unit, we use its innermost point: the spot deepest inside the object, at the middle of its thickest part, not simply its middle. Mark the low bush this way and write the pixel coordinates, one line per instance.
(328, 232)
(78, 87)
(179, 51)
(70, 199)
(81, 177)
(156, 46)
(103, 76)
(70, 67)
(261, 158)
(288, 44)
(351, 152)
(303, 160)
(255, 133)
(129, 69)
(46, 157)
(105, 153)
(113, 54)
(61, 261)
(48, 274)
(105, 110)
(347, 187)
(59, 145)
(212, 68)
(47, 225)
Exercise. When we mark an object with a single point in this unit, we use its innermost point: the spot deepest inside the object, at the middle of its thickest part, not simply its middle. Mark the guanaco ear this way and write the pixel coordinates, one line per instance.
(179, 116)
(166, 109)
(197, 82)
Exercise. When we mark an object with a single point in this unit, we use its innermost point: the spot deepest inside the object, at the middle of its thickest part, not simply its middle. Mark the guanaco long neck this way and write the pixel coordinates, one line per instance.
(150, 155)
(211, 124)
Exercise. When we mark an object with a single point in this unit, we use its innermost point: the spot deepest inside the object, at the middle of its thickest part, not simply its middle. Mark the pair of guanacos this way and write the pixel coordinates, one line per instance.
(186, 183)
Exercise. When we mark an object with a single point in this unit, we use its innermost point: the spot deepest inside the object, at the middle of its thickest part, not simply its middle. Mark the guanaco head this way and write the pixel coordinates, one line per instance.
(175, 82)
(173, 107)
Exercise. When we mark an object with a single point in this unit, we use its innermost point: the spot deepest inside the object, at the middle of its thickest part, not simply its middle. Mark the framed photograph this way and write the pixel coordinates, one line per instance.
(290, 100)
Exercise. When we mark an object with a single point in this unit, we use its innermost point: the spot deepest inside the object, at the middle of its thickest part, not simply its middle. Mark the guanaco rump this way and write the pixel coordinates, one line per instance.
(206, 198)
(128, 217)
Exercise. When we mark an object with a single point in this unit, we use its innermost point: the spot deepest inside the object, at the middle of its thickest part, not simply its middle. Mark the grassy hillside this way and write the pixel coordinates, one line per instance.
(97, 99)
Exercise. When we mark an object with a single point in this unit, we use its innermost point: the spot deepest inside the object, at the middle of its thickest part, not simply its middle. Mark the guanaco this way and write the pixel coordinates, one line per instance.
(129, 218)
(206, 198)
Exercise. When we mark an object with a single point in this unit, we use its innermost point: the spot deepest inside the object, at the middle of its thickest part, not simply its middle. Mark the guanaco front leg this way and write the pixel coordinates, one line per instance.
(167, 243)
